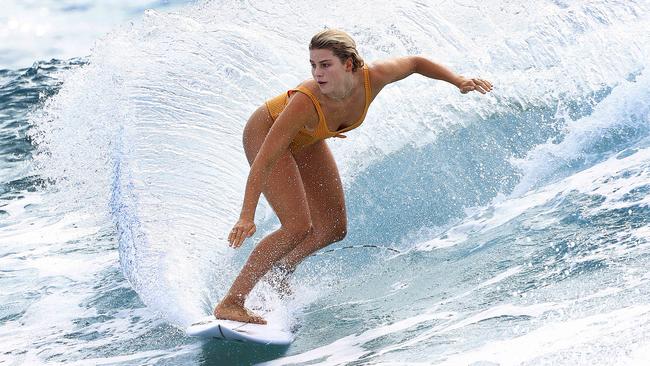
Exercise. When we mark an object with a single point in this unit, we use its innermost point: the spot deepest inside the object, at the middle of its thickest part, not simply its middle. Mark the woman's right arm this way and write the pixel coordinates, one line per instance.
(298, 112)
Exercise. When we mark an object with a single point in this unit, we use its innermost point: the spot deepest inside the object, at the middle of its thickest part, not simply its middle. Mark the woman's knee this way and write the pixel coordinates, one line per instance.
(298, 229)
(338, 234)
(330, 235)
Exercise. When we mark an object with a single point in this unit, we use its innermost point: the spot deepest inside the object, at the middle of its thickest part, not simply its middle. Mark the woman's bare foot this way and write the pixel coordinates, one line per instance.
(237, 313)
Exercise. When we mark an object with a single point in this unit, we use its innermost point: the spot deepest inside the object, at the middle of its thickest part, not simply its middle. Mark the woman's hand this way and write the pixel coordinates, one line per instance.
(243, 229)
(480, 85)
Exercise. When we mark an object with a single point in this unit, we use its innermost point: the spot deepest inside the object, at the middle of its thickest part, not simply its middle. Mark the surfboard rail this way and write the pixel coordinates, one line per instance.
(229, 330)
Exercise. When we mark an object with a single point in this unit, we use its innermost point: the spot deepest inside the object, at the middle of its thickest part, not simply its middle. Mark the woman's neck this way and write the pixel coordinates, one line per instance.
(348, 89)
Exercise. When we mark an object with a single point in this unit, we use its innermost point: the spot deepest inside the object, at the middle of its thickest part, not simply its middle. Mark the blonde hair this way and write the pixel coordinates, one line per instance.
(340, 43)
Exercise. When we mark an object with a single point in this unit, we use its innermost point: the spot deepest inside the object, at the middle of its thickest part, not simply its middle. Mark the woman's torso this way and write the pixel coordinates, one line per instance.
(334, 118)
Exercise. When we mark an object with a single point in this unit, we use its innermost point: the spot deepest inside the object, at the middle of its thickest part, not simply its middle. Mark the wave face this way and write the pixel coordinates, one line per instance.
(517, 220)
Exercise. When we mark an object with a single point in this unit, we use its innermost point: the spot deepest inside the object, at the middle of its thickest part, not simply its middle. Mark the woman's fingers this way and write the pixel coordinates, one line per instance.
(240, 237)
(231, 237)
(479, 85)
(251, 231)
(484, 84)
(242, 230)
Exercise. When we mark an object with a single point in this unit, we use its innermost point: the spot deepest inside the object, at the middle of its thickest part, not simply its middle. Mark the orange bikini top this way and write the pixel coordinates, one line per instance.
(307, 137)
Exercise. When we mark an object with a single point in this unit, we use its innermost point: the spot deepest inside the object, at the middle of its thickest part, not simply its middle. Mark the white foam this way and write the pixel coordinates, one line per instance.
(74, 267)
(350, 348)
(639, 356)
(557, 337)
(46, 29)
(35, 230)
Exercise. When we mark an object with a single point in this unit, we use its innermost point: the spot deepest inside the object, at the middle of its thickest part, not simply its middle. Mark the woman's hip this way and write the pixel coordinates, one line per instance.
(255, 131)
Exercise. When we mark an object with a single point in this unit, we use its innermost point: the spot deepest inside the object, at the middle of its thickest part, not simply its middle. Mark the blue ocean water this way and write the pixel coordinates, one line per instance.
(507, 229)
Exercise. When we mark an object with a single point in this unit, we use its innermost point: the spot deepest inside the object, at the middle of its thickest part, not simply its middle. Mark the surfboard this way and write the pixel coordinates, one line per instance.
(228, 330)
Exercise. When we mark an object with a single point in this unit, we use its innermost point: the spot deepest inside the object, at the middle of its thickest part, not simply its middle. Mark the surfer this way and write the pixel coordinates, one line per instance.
(284, 142)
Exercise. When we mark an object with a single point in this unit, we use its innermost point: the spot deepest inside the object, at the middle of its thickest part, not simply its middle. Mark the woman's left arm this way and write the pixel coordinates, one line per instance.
(392, 70)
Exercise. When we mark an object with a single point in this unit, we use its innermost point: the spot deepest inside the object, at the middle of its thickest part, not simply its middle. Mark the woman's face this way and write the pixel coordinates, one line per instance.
(328, 70)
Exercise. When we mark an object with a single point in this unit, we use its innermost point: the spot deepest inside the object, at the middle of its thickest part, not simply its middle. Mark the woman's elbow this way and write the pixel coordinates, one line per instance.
(263, 165)
(415, 63)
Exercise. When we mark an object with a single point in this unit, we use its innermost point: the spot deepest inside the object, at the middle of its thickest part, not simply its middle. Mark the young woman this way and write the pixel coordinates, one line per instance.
(292, 165)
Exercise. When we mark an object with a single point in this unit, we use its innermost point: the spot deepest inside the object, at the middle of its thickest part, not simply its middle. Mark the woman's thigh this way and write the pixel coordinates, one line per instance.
(322, 184)
(284, 188)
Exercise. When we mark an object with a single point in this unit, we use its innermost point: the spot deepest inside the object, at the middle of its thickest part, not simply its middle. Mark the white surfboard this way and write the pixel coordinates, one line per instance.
(269, 334)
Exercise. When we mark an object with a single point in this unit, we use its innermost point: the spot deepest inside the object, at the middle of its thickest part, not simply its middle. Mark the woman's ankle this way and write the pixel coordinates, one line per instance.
(232, 301)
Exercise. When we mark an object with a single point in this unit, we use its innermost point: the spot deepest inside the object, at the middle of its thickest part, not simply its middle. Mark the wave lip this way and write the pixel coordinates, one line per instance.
(618, 122)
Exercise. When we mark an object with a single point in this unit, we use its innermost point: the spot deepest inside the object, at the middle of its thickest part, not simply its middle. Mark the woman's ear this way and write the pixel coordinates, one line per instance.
(349, 64)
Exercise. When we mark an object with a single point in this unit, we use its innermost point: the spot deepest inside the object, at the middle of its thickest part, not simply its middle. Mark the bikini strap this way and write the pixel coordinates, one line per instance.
(366, 84)
(311, 96)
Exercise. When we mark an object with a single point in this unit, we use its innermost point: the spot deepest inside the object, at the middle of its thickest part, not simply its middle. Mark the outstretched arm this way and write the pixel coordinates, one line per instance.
(392, 70)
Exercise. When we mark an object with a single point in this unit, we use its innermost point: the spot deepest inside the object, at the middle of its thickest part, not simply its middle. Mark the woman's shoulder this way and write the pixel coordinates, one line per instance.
(308, 84)
(378, 70)
(386, 71)
(300, 103)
